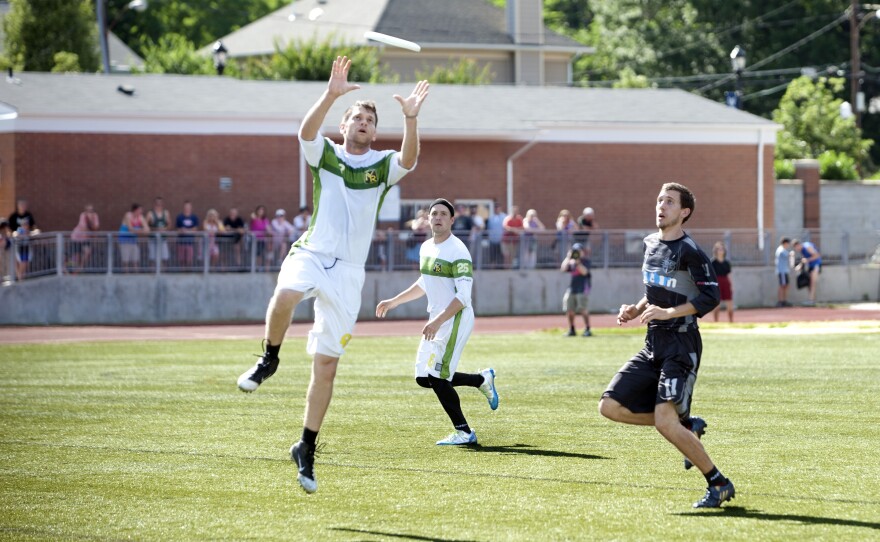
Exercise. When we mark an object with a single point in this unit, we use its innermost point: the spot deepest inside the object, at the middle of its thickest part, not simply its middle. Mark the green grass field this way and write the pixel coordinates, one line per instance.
(152, 441)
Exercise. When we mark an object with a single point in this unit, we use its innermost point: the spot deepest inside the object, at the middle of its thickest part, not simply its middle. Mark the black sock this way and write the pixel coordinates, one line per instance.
(466, 379)
(715, 478)
(309, 436)
(272, 349)
(450, 402)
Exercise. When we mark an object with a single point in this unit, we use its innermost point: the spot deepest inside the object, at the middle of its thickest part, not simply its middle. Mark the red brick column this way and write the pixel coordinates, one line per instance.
(807, 170)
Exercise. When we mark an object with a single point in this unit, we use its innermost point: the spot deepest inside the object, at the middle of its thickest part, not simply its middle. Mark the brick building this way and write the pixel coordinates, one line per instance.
(110, 140)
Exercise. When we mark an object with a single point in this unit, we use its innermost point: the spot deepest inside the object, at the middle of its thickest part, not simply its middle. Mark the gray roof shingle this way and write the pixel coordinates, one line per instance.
(454, 21)
(451, 110)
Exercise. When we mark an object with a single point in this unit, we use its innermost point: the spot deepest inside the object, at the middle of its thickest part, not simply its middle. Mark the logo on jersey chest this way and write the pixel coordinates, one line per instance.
(669, 265)
(371, 176)
(437, 267)
(651, 277)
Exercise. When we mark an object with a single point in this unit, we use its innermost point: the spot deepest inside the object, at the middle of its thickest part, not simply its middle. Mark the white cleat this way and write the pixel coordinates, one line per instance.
(488, 387)
(459, 438)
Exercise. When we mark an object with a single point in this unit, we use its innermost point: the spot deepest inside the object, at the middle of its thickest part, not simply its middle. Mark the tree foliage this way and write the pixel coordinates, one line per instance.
(37, 30)
(66, 62)
(810, 113)
(201, 22)
(650, 37)
(464, 72)
(313, 61)
(176, 54)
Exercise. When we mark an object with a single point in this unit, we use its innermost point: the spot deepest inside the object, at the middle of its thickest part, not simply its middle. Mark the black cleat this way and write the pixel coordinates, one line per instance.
(250, 380)
(304, 456)
(715, 495)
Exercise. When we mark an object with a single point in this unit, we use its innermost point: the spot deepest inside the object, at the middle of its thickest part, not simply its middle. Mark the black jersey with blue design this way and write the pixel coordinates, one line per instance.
(675, 272)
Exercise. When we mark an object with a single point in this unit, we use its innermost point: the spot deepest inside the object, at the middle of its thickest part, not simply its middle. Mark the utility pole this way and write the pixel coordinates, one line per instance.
(855, 61)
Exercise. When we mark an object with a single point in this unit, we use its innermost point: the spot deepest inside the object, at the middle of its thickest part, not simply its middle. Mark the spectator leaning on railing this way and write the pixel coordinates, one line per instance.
(133, 223)
(81, 237)
(159, 219)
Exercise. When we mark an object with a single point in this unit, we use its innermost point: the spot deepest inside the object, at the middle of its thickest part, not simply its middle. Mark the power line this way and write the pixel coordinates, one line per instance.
(781, 52)
(672, 80)
(731, 29)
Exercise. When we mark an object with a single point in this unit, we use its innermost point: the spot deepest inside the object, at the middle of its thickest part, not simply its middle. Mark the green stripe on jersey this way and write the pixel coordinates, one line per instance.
(362, 178)
(441, 268)
(316, 197)
(450, 346)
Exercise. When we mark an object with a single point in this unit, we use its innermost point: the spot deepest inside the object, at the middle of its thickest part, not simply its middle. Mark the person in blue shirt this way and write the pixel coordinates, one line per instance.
(811, 259)
(783, 267)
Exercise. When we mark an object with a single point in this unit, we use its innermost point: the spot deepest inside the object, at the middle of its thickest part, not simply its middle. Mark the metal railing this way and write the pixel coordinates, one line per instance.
(392, 250)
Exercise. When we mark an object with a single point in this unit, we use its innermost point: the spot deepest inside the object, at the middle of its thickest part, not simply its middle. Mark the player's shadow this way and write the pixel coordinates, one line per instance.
(742, 512)
(398, 535)
(527, 449)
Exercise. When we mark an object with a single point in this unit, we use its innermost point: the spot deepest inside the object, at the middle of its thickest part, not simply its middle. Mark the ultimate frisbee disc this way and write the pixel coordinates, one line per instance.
(391, 40)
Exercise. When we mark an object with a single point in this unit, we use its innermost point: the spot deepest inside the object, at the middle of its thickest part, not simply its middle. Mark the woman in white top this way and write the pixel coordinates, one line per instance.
(532, 225)
(282, 231)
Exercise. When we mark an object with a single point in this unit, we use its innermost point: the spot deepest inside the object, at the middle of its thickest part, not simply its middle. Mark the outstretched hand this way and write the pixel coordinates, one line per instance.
(338, 84)
(411, 105)
(383, 307)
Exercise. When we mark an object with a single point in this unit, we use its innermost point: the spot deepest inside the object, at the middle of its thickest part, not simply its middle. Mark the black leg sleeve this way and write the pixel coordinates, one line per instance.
(466, 379)
(450, 402)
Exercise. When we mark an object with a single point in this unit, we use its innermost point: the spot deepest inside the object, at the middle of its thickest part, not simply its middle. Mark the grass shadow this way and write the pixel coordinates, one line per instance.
(743, 512)
(397, 535)
(527, 449)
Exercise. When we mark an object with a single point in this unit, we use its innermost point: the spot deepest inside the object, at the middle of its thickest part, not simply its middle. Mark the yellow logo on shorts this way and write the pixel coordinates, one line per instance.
(344, 340)
(371, 177)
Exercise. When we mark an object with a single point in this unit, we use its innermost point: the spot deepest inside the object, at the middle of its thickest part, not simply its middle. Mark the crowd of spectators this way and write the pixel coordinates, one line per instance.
(157, 237)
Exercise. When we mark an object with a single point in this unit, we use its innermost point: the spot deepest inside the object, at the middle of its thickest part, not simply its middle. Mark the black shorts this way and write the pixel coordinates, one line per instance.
(665, 370)
(783, 279)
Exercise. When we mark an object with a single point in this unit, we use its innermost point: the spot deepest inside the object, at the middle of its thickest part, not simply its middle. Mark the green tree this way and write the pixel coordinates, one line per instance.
(630, 79)
(313, 61)
(176, 54)
(36, 30)
(66, 62)
(810, 113)
(651, 37)
(464, 72)
(201, 22)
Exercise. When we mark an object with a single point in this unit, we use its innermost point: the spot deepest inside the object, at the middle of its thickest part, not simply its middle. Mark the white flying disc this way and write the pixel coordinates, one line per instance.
(391, 40)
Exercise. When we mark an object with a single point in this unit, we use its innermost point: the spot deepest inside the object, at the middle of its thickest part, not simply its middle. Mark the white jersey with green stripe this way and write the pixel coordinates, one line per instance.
(447, 273)
(348, 192)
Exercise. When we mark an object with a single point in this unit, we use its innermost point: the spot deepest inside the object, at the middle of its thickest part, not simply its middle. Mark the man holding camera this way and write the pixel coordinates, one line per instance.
(577, 264)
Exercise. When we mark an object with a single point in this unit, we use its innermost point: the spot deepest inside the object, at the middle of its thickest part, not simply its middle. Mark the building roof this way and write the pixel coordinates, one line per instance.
(447, 22)
(210, 104)
(433, 24)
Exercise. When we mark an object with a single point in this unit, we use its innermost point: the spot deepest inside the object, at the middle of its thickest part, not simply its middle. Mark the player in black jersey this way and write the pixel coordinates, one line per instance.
(655, 386)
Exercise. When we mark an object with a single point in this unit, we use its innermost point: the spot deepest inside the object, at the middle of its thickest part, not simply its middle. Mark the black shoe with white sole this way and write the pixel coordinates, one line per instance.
(251, 379)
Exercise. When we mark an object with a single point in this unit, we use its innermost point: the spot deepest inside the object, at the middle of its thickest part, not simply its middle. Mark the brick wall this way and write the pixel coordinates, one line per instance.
(60, 173)
(7, 174)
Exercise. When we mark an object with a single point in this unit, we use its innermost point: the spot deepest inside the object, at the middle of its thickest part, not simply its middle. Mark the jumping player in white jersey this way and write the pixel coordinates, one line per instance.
(327, 261)
(655, 386)
(447, 278)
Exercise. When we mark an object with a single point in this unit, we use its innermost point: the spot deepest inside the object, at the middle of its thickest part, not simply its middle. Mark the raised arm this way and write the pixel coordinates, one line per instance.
(336, 87)
(410, 107)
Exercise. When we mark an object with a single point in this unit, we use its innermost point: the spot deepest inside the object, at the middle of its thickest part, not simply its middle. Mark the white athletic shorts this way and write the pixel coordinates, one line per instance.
(336, 287)
(439, 357)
